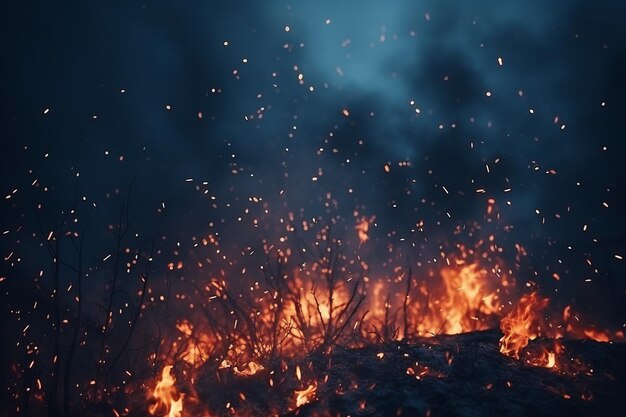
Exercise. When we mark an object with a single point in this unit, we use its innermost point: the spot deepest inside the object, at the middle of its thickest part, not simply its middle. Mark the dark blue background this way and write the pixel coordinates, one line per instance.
(371, 58)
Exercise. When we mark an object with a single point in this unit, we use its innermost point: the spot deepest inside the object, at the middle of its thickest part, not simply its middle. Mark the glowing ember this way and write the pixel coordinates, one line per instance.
(362, 228)
(165, 395)
(545, 359)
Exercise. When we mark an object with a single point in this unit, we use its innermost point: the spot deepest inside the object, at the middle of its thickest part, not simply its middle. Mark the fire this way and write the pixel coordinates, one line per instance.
(597, 335)
(306, 395)
(177, 407)
(198, 344)
(165, 393)
(465, 298)
(576, 327)
(312, 309)
(517, 325)
(545, 359)
(317, 304)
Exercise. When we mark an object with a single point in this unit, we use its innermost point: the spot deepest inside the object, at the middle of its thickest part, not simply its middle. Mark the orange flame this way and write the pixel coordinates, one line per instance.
(546, 359)
(517, 325)
(465, 297)
(165, 394)
(597, 335)
(467, 300)
(198, 345)
(306, 395)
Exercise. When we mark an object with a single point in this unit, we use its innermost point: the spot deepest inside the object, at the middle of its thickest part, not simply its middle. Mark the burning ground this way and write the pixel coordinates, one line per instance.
(315, 334)
(325, 366)
(448, 376)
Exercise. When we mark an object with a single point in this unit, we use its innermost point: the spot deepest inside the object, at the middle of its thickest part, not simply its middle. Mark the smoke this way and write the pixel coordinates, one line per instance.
(462, 102)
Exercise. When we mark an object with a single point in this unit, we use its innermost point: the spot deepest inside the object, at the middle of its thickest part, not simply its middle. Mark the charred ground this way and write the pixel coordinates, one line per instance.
(458, 375)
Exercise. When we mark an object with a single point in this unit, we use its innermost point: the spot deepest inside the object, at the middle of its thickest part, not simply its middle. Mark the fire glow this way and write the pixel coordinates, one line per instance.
(168, 402)
(316, 309)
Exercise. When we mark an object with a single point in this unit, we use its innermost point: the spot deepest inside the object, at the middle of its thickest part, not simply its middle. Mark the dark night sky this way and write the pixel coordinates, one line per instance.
(420, 82)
